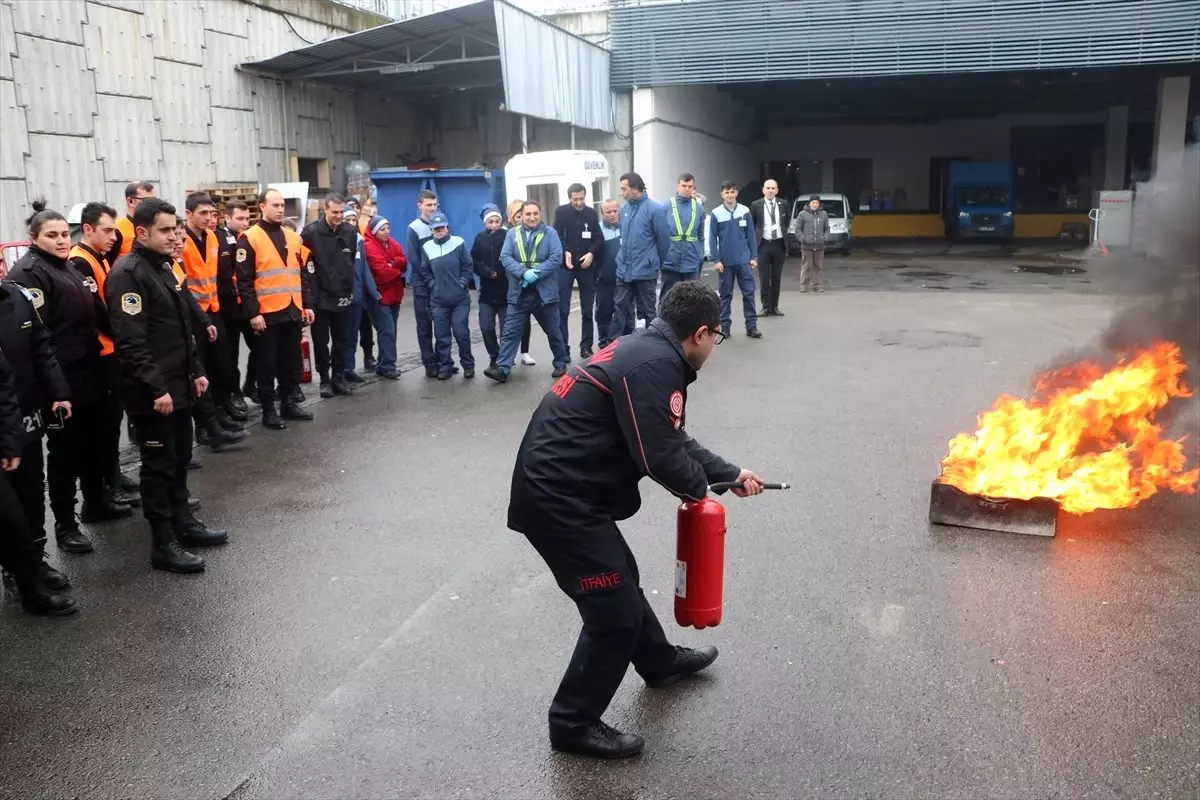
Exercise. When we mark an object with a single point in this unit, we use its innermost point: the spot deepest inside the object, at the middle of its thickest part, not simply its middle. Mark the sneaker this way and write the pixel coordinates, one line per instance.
(528, 360)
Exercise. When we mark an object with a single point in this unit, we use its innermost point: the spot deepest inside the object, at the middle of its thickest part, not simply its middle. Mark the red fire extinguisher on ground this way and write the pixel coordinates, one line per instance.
(305, 361)
(700, 559)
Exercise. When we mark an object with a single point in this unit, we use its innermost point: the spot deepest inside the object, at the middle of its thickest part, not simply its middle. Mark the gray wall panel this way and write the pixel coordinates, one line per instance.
(819, 39)
(55, 86)
(119, 48)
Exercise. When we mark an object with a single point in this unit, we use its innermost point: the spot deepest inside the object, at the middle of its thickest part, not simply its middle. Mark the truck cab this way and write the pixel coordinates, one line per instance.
(980, 203)
(545, 177)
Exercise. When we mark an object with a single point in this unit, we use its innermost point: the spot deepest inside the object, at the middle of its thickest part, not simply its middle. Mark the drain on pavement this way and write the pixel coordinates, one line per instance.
(1050, 269)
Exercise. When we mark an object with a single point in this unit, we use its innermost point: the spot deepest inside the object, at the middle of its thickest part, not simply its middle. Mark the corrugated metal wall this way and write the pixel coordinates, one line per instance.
(821, 39)
(96, 94)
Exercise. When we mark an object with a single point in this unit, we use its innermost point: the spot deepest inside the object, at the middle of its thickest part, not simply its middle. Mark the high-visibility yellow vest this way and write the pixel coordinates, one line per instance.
(527, 260)
(680, 234)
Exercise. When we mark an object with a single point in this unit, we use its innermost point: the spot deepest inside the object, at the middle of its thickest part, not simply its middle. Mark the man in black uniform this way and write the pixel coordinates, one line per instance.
(161, 378)
(237, 219)
(334, 245)
(40, 390)
(18, 554)
(605, 425)
(578, 227)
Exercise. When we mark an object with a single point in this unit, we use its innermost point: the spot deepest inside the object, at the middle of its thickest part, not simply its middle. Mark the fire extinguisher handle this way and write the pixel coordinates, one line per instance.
(720, 487)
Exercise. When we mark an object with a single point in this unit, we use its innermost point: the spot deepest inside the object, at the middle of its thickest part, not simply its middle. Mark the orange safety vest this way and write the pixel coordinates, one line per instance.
(276, 280)
(177, 271)
(99, 276)
(202, 270)
(125, 226)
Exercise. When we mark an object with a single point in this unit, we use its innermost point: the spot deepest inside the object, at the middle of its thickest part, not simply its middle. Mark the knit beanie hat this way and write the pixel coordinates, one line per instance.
(377, 223)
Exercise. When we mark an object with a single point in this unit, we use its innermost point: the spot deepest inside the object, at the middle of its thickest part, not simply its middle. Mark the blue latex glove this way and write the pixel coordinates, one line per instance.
(530, 277)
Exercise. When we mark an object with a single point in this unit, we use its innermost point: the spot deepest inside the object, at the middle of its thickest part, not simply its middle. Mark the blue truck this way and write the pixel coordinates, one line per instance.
(979, 195)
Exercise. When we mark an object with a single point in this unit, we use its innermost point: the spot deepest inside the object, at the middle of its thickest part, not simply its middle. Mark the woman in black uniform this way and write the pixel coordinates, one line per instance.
(76, 445)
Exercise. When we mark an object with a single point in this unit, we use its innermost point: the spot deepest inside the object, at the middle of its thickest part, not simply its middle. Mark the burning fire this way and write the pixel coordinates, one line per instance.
(1086, 438)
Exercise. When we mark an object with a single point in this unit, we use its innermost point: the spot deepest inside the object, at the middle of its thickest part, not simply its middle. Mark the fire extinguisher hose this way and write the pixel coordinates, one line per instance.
(719, 487)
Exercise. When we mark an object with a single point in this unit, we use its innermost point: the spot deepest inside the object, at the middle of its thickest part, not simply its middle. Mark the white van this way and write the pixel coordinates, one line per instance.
(544, 177)
(841, 222)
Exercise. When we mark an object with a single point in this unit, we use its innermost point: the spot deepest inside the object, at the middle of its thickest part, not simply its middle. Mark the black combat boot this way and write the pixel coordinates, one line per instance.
(191, 532)
(70, 539)
(687, 662)
(326, 390)
(341, 387)
(233, 411)
(238, 403)
(228, 423)
(167, 554)
(101, 508)
(54, 580)
(37, 598)
(598, 741)
(270, 417)
(216, 437)
(292, 410)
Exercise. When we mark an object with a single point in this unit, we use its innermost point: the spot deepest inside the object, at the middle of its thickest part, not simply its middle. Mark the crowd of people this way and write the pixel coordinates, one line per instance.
(143, 317)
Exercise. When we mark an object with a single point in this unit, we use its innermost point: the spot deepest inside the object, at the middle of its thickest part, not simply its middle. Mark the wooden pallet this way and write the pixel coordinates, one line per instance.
(224, 194)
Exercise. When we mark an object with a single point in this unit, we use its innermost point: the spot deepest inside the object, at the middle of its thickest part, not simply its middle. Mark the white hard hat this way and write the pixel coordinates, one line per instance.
(75, 215)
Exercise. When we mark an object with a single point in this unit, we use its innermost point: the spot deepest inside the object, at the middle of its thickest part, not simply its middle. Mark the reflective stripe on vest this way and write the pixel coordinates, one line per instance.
(680, 234)
(276, 280)
(125, 226)
(202, 270)
(99, 276)
(520, 242)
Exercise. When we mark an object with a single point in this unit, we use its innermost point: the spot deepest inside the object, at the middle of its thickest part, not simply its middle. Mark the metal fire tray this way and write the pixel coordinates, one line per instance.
(952, 506)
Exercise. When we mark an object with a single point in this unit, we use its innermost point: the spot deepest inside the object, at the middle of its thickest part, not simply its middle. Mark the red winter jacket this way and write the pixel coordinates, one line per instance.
(387, 265)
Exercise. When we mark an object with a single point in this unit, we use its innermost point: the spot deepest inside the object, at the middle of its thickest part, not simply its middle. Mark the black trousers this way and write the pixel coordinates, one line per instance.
(112, 416)
(165, 442)
(28, 481)
(596, 569)
(277, 359)
(19, 555)
(235, 328)
(770, 267)
(330, 324)
(217, 364)
(366, 333)
(77, 458)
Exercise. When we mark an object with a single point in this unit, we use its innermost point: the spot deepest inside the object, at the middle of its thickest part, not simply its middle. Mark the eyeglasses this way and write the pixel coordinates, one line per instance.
(720, 334)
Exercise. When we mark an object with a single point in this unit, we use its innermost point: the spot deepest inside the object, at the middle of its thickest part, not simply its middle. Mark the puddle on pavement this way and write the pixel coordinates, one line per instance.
(925, 274)
(1050, 269)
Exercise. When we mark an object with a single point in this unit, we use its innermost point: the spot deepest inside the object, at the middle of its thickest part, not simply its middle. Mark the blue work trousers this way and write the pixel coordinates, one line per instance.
(385, 327)
(491, 325)
(515, 320)
(449, 320)
(669, 278)
(744, 276)
(424, 320)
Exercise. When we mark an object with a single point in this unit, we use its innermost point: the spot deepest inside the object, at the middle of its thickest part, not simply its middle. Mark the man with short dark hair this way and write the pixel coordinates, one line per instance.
(275, 286)
(135, 193)
(685, 216)
(418, 234)
(645, 242)
(578, 228)
(732, 245)
(98, 235)
(608, 423)
(161, 378)
(334, 245)
(237, 219)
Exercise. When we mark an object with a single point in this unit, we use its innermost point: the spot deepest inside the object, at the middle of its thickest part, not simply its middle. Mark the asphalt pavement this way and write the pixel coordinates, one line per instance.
(374, 631)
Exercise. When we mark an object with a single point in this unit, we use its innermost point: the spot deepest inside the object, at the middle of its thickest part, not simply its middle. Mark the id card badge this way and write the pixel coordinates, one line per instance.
(585, 235)
(742, 222)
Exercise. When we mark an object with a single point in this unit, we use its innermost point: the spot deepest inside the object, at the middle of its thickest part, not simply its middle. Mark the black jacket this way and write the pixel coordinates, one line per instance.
(333, 259)
(151, 323)
(12, 429)
(69, 308)
(226, 288)
(579, 231)
(758, 212)
(37, 380)
(485, 255)
(604, 426)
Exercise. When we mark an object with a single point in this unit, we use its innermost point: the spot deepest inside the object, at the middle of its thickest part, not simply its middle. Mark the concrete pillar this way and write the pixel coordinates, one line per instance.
(1116, 140)
(1170, 123)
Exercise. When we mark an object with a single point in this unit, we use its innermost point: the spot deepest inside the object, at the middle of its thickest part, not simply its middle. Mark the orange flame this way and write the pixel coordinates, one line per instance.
(1086, 437)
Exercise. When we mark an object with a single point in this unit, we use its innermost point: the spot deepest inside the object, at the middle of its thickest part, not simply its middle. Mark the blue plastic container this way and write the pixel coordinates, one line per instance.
(462, 193)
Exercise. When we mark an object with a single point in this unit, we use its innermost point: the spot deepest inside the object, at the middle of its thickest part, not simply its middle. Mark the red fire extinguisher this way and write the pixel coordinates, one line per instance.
(700, 559)
(305, 361)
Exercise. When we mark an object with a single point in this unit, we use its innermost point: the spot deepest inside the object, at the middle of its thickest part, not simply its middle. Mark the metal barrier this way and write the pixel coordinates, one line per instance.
(12, 251)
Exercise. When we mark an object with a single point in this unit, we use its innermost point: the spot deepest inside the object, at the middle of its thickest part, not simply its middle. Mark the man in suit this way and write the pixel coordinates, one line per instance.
(771, 221)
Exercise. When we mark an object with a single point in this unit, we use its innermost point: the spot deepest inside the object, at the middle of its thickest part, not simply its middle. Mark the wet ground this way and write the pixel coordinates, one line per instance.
(374, 631)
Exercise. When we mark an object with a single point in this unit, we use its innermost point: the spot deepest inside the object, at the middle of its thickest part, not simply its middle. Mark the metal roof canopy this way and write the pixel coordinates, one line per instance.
(474, 46)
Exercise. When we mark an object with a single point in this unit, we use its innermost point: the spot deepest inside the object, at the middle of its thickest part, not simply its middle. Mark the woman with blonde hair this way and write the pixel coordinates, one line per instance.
(514, 220)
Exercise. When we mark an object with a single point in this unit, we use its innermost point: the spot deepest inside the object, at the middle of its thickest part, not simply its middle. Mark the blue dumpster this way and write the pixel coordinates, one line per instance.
(461, 193)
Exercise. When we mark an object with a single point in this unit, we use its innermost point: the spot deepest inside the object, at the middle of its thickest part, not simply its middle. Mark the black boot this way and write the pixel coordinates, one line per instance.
(292, 410)
(36, 598)
(270, 417)
(238, 403)
(370, 362)
(687, 662)
(250, 392)
(103, 509)
(70, 539)
(126, 483)
(229, 423)
(217, 437)
(167, 554)
(340, 387)
(599, 741)
(119, 497)
(191, 532)
(53, 580)
(326, 388)
(231, 410)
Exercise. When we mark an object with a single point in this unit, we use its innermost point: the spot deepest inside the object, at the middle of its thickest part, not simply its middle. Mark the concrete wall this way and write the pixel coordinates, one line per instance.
(696, 129)
(901, 153)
